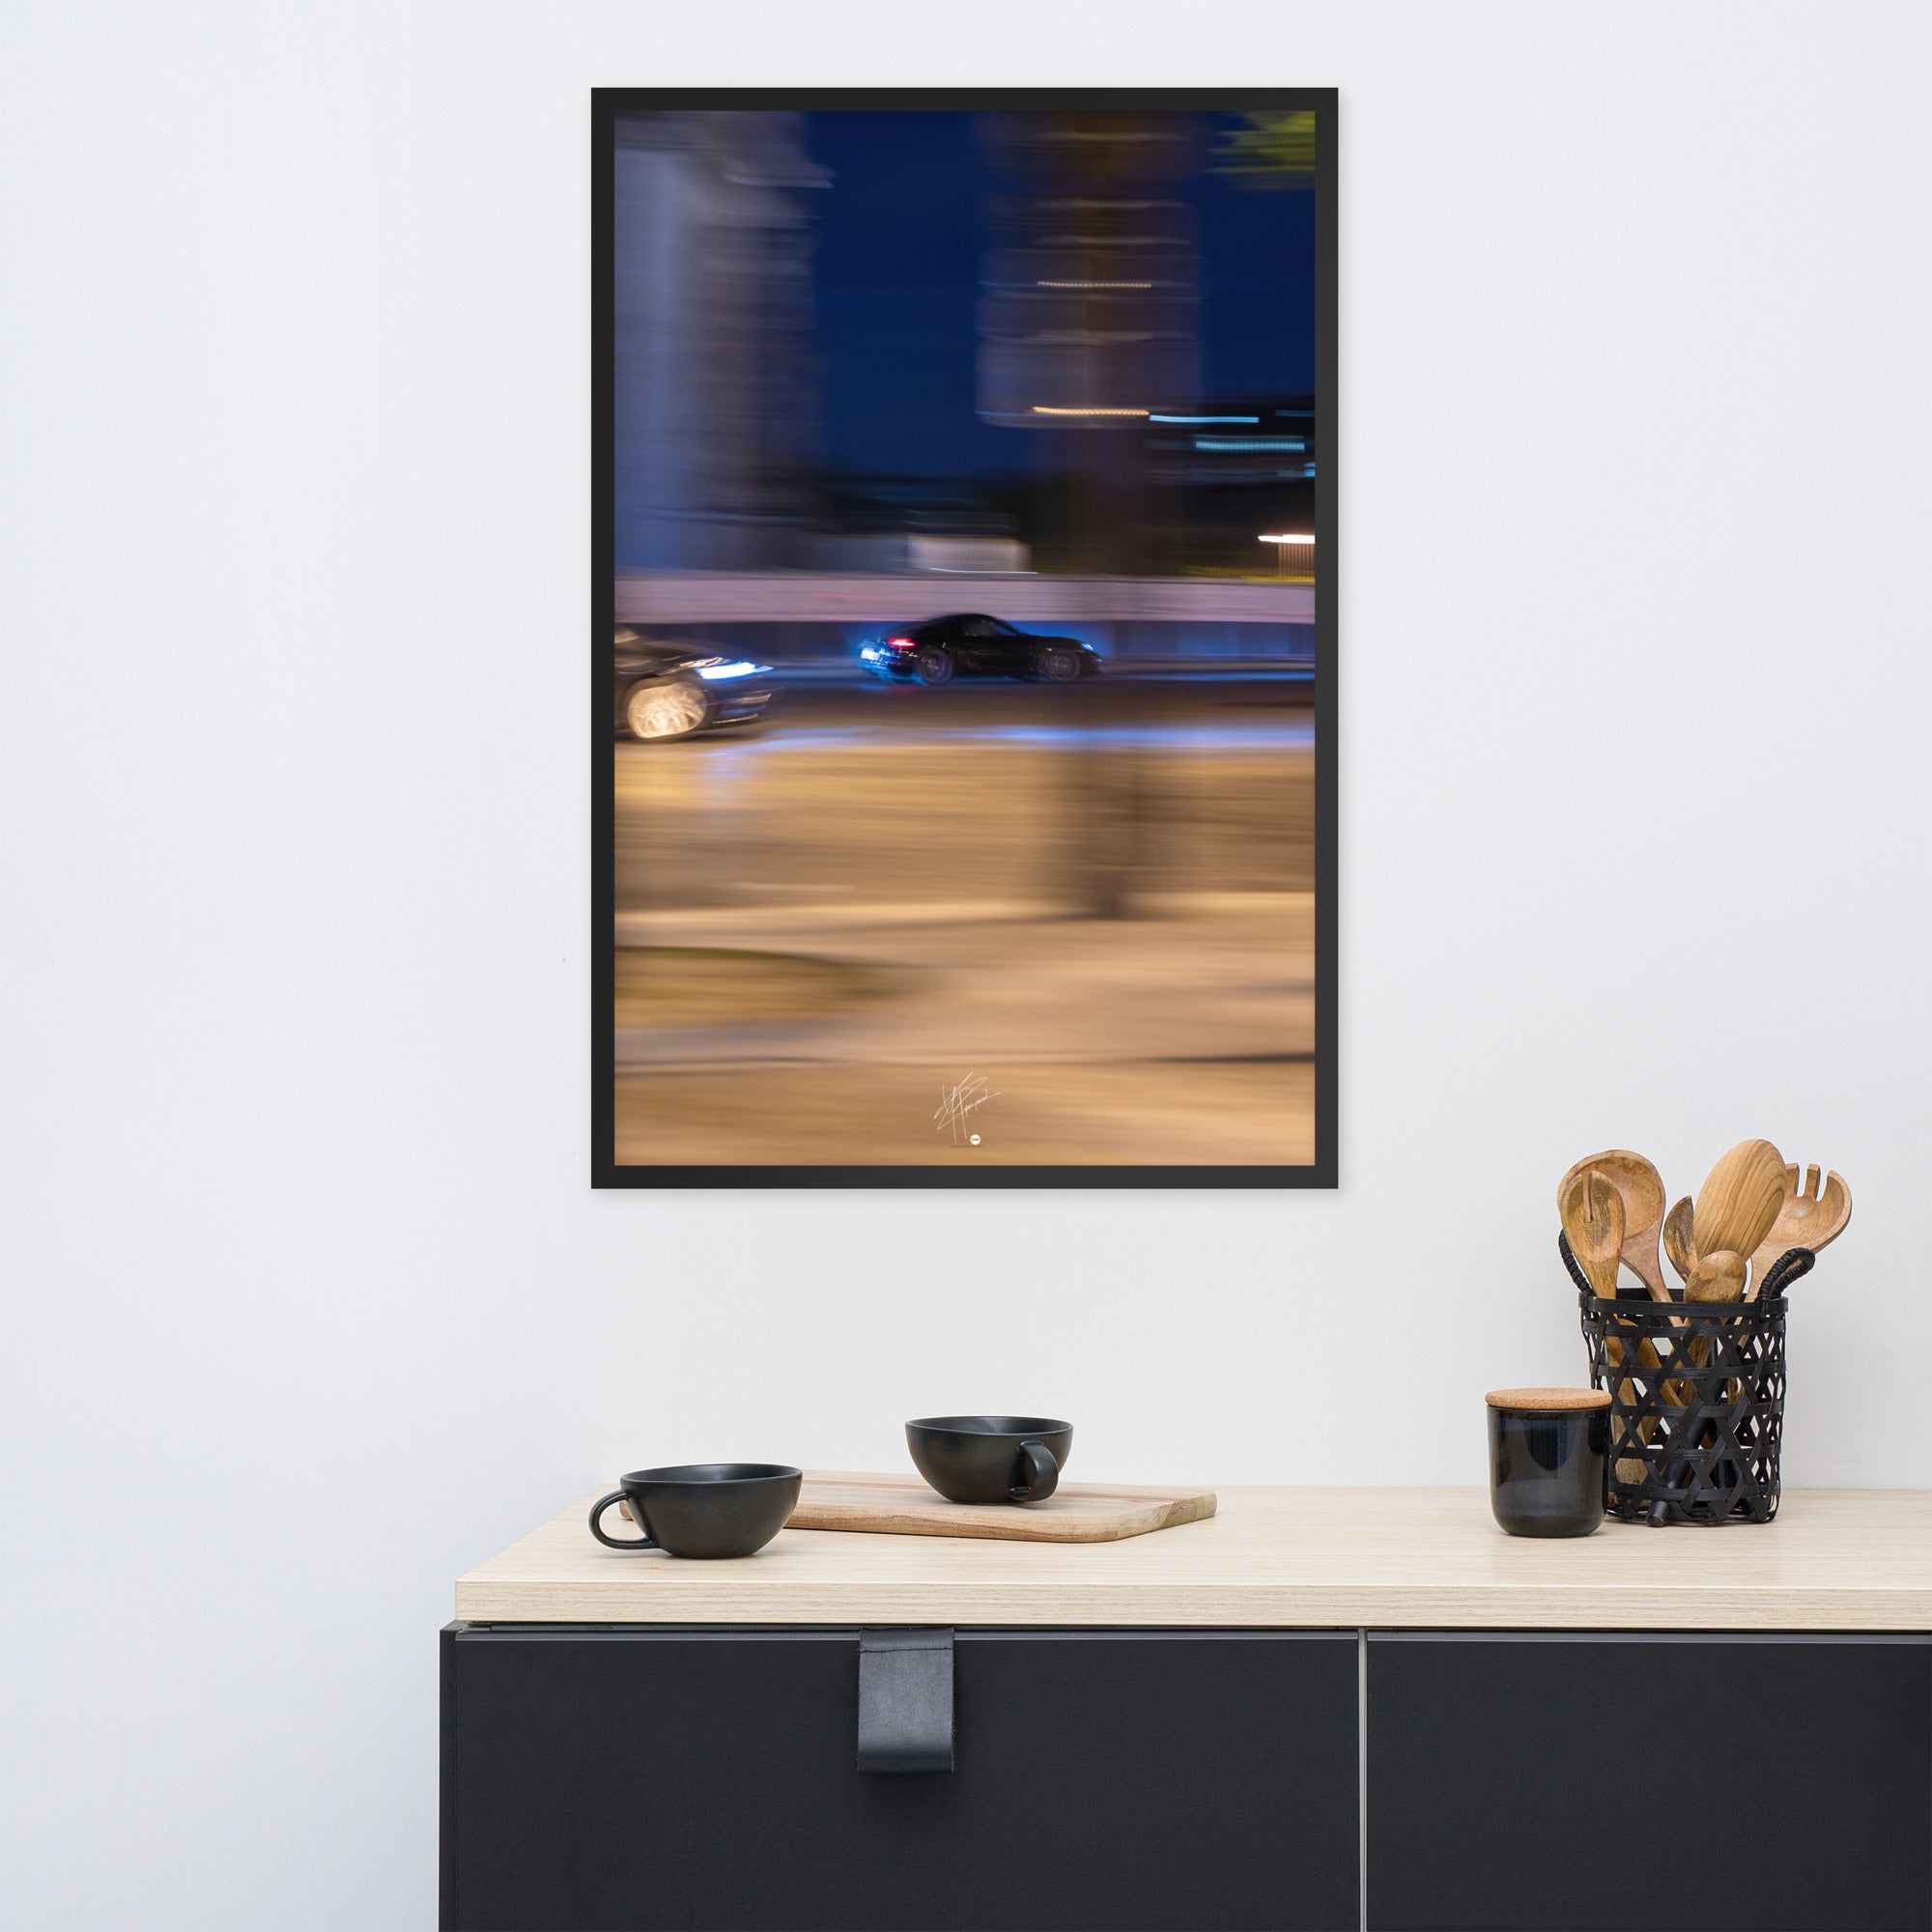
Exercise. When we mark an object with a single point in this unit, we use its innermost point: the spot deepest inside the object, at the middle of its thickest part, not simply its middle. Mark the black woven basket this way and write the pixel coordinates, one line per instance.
(1696, 1401)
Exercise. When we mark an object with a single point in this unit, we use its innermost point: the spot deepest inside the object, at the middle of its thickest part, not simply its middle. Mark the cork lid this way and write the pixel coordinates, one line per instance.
(1547, 1400)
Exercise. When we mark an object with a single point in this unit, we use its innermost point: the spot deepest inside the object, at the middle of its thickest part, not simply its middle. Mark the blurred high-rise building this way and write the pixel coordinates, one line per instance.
(716, 381)
(1087, 320)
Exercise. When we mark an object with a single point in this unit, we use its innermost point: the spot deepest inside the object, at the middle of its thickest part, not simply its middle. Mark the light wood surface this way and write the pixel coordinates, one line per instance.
(1847, 1559)
(1642, 1188)
(898, 1505)
(1809, 1216)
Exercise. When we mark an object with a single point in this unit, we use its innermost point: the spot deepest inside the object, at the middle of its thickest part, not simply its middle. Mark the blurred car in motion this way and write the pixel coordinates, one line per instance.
(972, 644)
(671, 690)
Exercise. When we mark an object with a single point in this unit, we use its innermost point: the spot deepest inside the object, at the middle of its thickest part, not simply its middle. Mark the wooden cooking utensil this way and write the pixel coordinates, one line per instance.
(1680, 1243)
(1738, 1200)
(1679, 1240)
(1642, 1188)
(1809, 1218)
(1592, 1211)
(1593, 1218)
(1736, 1207)
(1718, 1277)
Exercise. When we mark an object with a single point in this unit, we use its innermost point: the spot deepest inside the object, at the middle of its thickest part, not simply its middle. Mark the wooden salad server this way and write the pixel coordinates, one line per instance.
(1592, 1212)
(1809, 1216)
(1641, 1189)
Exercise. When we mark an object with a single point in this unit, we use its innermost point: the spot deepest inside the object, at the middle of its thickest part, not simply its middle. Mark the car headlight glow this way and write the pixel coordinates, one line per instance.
(714, 672)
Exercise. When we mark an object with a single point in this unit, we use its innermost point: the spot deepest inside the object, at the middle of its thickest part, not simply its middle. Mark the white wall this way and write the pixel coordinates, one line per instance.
(308, 1303)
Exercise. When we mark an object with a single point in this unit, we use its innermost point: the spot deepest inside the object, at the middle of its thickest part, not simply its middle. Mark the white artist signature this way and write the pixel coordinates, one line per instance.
(958, 1101)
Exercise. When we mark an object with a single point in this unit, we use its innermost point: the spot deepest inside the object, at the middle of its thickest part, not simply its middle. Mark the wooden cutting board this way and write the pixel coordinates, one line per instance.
(1075, 1512)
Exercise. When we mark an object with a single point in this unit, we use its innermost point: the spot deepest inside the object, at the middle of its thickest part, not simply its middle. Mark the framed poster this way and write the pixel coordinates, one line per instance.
(963, 643)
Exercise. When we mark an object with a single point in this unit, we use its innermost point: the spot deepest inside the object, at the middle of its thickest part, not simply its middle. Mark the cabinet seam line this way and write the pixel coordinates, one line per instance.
(1362, 1777)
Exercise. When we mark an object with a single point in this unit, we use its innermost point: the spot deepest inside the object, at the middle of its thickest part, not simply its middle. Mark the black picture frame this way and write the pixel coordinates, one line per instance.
(606, 104)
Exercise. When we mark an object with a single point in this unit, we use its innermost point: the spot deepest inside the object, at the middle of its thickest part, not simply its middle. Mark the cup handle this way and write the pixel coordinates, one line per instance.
(597, 1510)
(1042, 1475)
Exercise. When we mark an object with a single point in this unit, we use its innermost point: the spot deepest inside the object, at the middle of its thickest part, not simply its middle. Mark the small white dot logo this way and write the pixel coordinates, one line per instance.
(975, 1139)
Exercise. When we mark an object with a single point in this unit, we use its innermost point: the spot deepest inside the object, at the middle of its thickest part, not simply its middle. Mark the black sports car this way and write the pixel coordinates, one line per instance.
(972, 644)
(669, 690)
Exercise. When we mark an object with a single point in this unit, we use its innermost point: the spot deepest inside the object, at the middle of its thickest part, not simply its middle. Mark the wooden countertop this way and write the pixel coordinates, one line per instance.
(1834, 1559)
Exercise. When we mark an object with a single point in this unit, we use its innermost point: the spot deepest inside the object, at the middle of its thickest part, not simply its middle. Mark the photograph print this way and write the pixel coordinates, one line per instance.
(964, 638)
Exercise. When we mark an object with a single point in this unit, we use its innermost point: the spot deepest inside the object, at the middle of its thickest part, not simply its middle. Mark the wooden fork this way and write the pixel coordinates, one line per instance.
(1811, 1217)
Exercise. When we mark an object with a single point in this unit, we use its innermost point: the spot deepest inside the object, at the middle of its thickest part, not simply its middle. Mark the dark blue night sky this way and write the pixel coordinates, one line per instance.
(901, 238)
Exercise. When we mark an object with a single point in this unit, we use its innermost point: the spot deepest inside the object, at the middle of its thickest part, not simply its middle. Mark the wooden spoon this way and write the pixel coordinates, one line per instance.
(1738, 1200)
(1679, 1243)
(1641, 1188)
(1718, 1277)
(1809, 1218)
(1593, 1219)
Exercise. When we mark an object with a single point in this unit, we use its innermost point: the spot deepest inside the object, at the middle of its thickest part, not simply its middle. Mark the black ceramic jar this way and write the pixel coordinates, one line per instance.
(1548, 1456)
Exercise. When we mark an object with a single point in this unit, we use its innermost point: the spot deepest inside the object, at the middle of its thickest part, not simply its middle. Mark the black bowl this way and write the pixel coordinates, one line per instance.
(703, 1509)
(990, 1458)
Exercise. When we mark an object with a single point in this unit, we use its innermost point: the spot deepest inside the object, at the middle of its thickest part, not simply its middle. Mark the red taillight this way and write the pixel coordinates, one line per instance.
(899, 643)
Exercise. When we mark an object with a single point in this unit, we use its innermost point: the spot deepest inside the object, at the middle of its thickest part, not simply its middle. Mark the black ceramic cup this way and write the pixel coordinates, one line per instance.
(1549, 1459)
(990, 1458)
(702, 1509)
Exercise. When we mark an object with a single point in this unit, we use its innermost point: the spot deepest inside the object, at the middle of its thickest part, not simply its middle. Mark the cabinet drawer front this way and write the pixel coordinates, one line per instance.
(1615, 1783)
(603, 1779)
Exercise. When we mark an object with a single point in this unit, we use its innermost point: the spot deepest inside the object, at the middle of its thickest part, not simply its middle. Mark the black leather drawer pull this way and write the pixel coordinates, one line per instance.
(905, 1700)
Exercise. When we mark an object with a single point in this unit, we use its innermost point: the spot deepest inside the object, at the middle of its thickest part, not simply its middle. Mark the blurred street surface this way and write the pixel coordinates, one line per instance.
(1096, 902)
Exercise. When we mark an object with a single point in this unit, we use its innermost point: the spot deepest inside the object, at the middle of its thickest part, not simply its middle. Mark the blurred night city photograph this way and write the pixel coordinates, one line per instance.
(959, 498)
